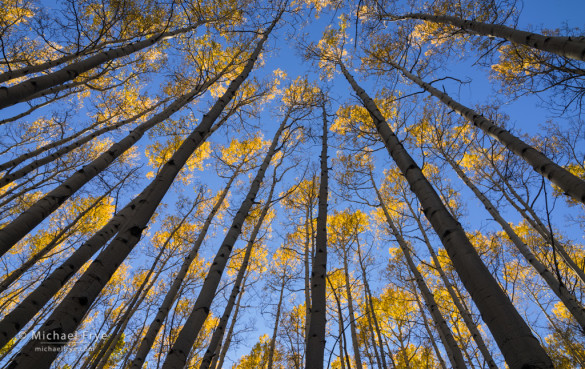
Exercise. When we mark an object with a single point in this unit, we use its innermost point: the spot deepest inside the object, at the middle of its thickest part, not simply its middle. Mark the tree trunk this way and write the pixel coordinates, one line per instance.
(563, 46)
(217, 362)
(34, 215)
(568, 182)
(240, 277)
(14, 94)
(372, 318)
(559, 289)
(316, 342)
(272, 346)
(70, 312)
(352, 319)
(515, 339)
(148, 340)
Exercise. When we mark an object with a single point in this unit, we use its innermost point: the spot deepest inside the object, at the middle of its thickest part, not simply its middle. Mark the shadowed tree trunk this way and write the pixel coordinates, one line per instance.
(315, 348)
(515, 339)
(569, 47)
(568, 182)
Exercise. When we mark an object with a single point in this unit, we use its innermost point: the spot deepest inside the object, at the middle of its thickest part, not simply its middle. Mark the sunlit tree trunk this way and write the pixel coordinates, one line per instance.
(352, 317)
(568, 182)
(565, 46)
(316, 342)
(515, 339)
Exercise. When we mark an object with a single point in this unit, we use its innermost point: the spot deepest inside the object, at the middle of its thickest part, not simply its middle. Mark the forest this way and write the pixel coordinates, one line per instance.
(317, 184)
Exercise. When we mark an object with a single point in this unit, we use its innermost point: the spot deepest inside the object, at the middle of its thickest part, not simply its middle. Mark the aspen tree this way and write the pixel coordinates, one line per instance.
(570, 47)
(68, 316)
(571, 184)
(182, 346)
(239, 281)
(316, 337)
(14, 94)
(516, 341)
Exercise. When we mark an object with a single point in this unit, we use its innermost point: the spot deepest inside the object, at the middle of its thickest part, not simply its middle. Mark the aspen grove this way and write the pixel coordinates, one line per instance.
(292, 184)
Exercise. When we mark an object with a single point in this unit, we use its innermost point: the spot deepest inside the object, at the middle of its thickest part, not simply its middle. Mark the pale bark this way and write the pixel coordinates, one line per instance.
(67, 317)
(515, 339)
(217, 362)
(371, 314)
(568, 182)
(34, 215)
(430, 333)
(559, 289)
(179, 352)
(315, 348)
(14, 94)
(570, 47)
(217, 336)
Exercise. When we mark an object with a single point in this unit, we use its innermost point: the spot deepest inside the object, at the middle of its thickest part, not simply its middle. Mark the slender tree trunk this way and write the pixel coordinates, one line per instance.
(568, 182)
(515, 339)
(239, 281)
(430, 333)
(372, 318)
(14, 94)
(343, 354)
(563, 46)
(272, 346)
(453, 352)
(181, 348)
(34, 215)
(8, 178)
(352, 319)
(559, 289)
(217, 362)
(148, 340)
(306, 261)
(316, 342)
